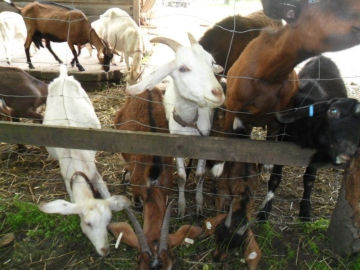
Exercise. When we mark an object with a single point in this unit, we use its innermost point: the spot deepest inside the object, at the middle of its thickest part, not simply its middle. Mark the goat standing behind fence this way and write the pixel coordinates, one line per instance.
(54, 22)
(189, 100)
(121, 32)
(68, 105)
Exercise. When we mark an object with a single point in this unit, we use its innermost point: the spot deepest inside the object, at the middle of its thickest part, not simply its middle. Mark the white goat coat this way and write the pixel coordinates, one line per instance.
(188, 111)
(121, 32)
(68, 105)
(12, 29)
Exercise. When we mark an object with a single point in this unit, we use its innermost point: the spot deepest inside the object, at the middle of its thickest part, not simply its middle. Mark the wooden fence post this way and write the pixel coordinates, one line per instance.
(344, 229)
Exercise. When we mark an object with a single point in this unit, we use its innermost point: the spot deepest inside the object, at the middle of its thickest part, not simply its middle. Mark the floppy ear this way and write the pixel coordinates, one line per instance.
(185, 231)
(151, 79)
(60, 207)
(129, 237)
(118, 202)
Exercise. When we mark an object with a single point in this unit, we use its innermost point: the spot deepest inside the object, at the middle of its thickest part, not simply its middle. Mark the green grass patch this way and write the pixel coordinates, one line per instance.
(24, 216)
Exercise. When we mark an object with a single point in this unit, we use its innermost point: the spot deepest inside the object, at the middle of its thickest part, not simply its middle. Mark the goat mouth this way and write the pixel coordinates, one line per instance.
(212, 103)
(342, 158)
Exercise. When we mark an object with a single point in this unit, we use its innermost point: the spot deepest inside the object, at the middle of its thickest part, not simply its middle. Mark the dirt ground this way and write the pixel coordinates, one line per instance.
(32, 177)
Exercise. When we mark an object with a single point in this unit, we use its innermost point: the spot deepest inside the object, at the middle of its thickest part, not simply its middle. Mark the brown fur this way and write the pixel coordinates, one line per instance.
(151, 115)
(136, 109)
(269, 59)
(52, 22)
(22, 93)
(219, 48)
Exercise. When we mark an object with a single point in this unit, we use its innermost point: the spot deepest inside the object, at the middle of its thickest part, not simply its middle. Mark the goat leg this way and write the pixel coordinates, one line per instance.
(305, 204)
(48, 46)
(273, 183)
(75, 59)
(200, 171)
(252, 252)
(181, 185)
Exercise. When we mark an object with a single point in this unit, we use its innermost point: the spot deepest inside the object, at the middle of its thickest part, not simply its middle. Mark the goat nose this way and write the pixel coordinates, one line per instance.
(105, 251)
(217, 92)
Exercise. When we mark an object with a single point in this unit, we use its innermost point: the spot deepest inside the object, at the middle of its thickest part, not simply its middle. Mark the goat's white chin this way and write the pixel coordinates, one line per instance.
(212, 103)
(342, 158)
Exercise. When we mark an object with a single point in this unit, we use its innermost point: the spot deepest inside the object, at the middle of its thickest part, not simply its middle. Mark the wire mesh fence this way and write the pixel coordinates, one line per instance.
(32, 177)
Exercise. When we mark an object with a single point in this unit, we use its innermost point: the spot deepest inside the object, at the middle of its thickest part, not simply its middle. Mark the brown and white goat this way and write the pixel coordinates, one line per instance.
(146, 113)
(236, 183)
(151, 179)
(21, 93)
(54, 22)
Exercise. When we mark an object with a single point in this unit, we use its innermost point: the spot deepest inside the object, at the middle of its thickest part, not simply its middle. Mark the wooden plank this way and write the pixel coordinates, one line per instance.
(211, 148)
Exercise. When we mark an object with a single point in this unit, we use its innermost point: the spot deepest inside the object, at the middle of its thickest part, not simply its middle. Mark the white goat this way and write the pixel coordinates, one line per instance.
(68, 105)
(12, 28)
(189, 100)
(117, 28)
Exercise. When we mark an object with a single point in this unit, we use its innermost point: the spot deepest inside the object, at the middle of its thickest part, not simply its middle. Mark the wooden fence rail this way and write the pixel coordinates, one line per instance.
(111, 140)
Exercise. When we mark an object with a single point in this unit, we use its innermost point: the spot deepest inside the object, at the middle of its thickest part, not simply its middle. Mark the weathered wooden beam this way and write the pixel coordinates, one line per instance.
(211, 148)
(344, 229)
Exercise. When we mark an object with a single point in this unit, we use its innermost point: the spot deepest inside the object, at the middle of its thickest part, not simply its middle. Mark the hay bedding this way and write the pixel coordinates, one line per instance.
(32, 177)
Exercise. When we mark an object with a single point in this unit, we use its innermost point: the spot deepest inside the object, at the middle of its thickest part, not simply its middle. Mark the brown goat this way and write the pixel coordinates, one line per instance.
(22, 94)
(228, 48)
(237, 183)
(262, 79)
(151, 179)
(145, 113)
(54, 22)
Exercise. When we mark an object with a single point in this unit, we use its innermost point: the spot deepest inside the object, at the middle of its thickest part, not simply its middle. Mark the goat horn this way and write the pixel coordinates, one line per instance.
(163, 246)
(192, 39)
(139, 232)
(167, 41)
(229, 216)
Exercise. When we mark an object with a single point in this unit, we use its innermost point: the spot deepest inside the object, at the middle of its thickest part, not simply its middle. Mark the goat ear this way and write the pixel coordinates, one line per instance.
(118, 202)
(217, 68)
(129, 237)
(151, 79)
(186, 231)
(60, 207)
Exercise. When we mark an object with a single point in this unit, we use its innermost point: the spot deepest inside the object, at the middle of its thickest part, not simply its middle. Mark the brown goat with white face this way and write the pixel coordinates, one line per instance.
(54, 22)
(151, 179)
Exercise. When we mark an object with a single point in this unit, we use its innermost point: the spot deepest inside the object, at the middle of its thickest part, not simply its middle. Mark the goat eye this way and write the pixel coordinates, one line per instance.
(184, 69)
(334, 113)
(89, 224)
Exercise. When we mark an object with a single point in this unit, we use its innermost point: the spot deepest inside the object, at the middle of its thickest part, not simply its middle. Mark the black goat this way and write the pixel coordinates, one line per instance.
(324, 119)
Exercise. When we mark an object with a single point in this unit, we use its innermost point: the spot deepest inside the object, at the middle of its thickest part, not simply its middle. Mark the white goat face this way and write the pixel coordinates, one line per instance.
(194, 77)
(95, 216)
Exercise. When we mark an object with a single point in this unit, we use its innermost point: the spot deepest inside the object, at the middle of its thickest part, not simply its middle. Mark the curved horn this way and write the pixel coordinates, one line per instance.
(167, 41)
(139, 232)
(163, 246)
(192, 39)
